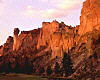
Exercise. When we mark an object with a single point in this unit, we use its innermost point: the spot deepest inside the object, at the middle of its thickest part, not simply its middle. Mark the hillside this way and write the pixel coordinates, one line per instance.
(30, 51)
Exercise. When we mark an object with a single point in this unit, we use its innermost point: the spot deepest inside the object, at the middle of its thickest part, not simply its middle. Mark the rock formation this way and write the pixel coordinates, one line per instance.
(90, 18)
(44, 46)
(16, 39)
(57, 36)
(47, 30)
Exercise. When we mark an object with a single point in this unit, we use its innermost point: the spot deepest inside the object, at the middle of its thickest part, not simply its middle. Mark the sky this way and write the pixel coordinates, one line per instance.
(29, 14)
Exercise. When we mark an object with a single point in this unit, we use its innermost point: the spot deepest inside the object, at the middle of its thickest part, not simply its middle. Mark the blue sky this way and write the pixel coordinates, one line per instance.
(29, 14)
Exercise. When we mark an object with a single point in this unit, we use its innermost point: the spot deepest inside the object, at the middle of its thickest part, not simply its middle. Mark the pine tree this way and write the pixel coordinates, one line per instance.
(49, 70)
(42, 70)
(28, 67)
(34, 69)
(17, 67)
(67, 65)
(57, 68)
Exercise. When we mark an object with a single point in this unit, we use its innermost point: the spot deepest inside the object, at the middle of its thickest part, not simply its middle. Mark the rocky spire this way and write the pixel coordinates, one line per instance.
(90, 16)
(16, 31)
(16, 39)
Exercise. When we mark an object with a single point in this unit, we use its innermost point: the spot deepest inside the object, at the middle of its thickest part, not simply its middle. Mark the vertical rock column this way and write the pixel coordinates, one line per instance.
(90, 16)
(16, 39)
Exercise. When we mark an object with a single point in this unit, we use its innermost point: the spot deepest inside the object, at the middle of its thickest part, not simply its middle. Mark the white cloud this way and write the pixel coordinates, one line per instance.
(43, 0)
(66, 4)
(37, 13)
(62, 8)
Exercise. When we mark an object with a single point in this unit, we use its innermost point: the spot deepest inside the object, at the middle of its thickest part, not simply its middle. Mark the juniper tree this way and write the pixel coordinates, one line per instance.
(67, 64)
(49, 70)
(41, 70)
(57, 68)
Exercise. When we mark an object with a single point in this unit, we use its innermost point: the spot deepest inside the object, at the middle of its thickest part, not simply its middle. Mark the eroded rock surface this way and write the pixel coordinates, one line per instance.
(42, 47)
(90, 16)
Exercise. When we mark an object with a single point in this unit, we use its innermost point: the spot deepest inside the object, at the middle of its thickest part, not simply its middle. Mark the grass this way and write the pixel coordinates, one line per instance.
(14, 76)
(21, 77)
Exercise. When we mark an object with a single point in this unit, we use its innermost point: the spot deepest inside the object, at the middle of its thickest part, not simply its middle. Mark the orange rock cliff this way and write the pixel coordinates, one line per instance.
(90, 18)
(44, 46)
(59, 37)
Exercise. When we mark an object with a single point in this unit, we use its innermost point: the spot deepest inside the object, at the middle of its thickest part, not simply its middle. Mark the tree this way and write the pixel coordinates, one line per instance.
(67, 65)
(28, 66)
(57, 68)
(17, 67)
(49, 70)
(42, 70)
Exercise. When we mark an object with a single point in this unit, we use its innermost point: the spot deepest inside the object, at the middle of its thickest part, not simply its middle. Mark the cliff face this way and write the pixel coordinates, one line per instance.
(40, 47)
(16, 39)
(59, 37)
(47, 30)
(90, 18)
(7, 47)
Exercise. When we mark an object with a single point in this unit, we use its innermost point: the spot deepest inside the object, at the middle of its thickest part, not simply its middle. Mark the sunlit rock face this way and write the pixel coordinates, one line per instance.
(46, 39)
(90, 16)
(26, 39)
(39, 47)
(7, 47)
(16, 39)
(47, 30)
(57, 36)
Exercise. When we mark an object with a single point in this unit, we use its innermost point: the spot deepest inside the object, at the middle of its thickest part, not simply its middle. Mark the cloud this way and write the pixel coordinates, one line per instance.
(63, 3)
(46, 13)
(61, 9)
(66, 4)
(43, 0)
